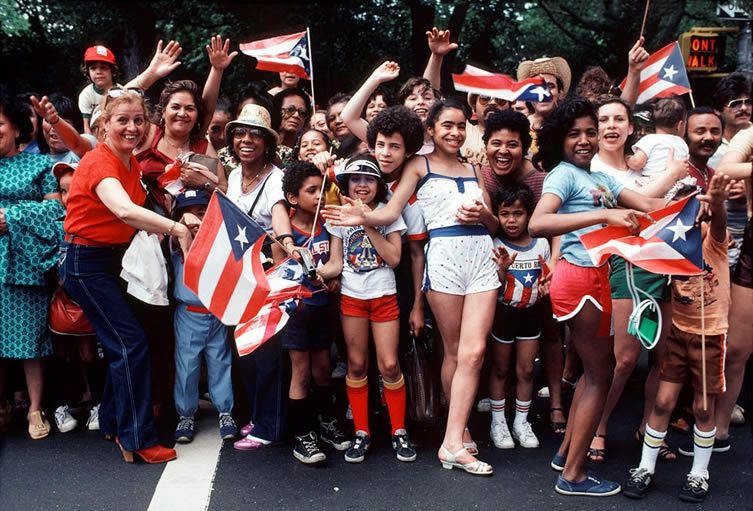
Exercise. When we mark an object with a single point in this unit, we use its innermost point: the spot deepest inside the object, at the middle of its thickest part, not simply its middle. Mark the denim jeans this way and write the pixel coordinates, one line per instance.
(91, 277)
(201, 334)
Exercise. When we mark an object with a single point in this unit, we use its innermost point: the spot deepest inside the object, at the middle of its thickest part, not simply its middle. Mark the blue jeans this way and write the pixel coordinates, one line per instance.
(91, 276)
(199, 333)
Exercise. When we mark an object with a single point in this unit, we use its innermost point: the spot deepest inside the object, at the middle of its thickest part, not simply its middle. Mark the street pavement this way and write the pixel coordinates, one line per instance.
(81, 471)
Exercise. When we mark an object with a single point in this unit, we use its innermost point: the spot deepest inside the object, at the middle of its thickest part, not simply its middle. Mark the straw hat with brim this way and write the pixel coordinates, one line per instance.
(556, 66)
(252, 115)
(61, 168)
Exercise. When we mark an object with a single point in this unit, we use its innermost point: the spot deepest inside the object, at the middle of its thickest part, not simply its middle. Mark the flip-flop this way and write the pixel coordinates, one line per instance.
(598, 456)
(557, 427)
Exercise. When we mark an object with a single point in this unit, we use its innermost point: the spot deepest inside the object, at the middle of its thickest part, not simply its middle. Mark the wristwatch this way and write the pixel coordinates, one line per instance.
(208, 186)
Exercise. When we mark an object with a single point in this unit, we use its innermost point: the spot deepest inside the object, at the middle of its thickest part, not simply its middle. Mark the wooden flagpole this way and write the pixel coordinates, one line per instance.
(311, 66)
(692, 101)
(645, 16)
(703, 342)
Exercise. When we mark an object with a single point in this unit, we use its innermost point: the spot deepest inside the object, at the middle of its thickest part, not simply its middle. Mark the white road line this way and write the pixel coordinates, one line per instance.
(186, 483)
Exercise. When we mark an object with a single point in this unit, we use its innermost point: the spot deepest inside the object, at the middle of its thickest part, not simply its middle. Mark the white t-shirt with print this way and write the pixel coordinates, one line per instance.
(365, 274)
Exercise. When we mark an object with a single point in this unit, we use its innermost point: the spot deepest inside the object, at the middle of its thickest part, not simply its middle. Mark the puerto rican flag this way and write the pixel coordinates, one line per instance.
(224, 265)
(670, 246)
(664, 75)
(285, 53)
(522, 286)
(286, 281)
(484, 83)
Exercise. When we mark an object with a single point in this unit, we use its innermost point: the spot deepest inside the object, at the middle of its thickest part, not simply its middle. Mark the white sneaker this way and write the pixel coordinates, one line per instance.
(738, 415)
(64, 420)
(92, 423)
(484, 405)
(543, 392)
(501, 435)
(340, 370)
(524, 435)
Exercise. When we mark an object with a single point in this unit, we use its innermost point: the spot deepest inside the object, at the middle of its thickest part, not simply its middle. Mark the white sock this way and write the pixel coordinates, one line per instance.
(498, 410)
(652, 441)
(703, 444)
(521, 411)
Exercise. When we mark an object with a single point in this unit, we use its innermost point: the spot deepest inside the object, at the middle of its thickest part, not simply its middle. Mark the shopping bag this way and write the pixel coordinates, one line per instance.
(422, 388)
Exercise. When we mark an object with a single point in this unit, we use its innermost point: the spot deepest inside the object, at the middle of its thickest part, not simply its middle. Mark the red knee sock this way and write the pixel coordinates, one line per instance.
(394, 394)
(358, 396)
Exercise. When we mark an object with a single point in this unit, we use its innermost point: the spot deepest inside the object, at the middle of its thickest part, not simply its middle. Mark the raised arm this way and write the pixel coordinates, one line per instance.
(220, 58)
(718, 192)
(637, 60)
(351, 114)
(440, 45)
(164, 62)
(68, 134)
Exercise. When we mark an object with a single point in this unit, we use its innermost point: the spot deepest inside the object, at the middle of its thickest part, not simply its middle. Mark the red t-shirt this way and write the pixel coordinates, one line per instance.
(87, 216)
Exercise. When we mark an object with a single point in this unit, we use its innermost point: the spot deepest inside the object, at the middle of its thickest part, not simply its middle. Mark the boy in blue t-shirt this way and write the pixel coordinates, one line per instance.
(307, 335)
(198, 332)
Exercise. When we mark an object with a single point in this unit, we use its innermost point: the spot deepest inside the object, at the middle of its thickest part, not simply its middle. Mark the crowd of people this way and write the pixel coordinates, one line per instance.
(465, 213)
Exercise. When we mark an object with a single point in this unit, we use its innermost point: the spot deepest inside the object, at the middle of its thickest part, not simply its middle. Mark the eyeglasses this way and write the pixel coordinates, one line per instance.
(290, 110)
(739, 103)
(117, 91)
(254, 133)
(485, 100)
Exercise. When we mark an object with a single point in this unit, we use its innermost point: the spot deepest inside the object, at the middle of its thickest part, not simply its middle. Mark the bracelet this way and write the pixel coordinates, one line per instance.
(283, 236)
(57, 120)
(208, 186)
(170, 230)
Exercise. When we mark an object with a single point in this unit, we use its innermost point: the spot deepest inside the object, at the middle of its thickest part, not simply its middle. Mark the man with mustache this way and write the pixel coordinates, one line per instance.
(731, 100)
(482, 106)
(703, 136)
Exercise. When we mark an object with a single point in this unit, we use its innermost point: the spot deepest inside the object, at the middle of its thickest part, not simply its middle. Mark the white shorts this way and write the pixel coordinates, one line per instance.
(459, 264)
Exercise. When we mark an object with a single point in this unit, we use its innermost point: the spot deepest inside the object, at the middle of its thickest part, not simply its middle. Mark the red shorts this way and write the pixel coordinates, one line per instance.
(572, 286)
(380, 309)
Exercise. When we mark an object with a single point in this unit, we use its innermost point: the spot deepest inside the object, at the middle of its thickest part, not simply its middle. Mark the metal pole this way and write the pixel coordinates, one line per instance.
(744, 48)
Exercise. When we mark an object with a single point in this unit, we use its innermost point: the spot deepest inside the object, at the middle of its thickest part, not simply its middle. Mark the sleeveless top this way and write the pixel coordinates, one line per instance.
(440, 196)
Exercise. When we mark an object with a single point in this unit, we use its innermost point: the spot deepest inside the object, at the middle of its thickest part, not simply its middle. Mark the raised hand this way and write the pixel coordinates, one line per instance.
(386, 72)
(439, 41)
(165, 59)
(637, 57)
(218, 52)
(717, 192)
(351, 213)
(503, 259)
(44, 108)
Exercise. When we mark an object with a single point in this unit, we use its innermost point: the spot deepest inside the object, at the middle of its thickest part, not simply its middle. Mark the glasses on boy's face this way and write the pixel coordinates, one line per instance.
(289, 111)
(739, 103)
(254, 133)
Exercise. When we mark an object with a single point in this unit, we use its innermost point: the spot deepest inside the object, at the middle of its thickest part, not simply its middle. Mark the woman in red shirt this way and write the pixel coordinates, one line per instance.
(104, 211)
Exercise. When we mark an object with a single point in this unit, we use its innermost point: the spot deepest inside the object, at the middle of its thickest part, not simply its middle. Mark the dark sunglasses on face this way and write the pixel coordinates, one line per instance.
(484, 100)
(739, 103)
(254, 133)
(290, 110)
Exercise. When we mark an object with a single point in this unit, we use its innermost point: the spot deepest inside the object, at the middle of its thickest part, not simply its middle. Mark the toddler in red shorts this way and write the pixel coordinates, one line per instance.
(366, 257)
(683, 360)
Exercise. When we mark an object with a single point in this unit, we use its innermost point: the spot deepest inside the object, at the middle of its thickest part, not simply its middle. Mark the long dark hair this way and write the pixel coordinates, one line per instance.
(555, 128)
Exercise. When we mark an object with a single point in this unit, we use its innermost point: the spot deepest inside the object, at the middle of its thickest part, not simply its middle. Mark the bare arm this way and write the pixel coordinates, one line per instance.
(110, 191)
(334, 266)
(417, 262)
(718, 192)
(68, 134)
(634, 200)
(735, 164)
(220, 58)
(676, 170)
(440, 45)
(389, 247)
(637, 60)
(351, 113)
(637, 160)
(164, 62)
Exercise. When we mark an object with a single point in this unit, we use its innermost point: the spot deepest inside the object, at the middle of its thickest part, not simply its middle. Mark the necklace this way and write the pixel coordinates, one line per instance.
(177, 147)
(703, 172)
(246, 186)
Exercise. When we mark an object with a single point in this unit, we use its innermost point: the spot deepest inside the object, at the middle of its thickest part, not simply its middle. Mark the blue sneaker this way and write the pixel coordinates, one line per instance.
(558, 462)
(184, 431)
(228, 428)
(591, 486)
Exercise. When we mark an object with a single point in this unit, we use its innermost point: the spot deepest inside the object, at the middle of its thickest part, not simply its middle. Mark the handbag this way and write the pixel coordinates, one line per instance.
(420, 382)
(67, 317)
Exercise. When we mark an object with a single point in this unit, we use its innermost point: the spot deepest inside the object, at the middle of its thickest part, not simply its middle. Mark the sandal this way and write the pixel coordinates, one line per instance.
(666, 453)
(598, 456)
(39, 430)
(471, 447)
(557, 427)
(476, 468)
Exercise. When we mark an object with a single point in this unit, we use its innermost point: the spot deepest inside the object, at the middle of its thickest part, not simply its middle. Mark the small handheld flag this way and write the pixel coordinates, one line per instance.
(664, 75)
(286, 53)
(484, 83)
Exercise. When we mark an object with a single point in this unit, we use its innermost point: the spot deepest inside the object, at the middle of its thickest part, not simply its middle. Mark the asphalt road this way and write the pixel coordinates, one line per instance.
(81, 471)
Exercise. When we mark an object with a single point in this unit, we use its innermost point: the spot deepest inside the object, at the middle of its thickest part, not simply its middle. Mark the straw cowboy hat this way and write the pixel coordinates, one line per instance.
(556, 66)
(252, 115)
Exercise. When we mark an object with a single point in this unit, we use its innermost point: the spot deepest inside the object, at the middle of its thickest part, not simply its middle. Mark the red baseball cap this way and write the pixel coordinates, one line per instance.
(99, 53)
(61, 168)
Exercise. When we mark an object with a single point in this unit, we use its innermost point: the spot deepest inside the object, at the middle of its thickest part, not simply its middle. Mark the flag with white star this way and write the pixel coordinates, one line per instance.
(671, 245)
(286, 53)
(224, 265)
(484, 83)
(664, 75)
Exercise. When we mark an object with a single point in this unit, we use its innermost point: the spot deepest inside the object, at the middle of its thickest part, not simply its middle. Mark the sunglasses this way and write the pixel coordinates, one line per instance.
(739, 103)
(254, 133)
(291, 110)
(484, 100)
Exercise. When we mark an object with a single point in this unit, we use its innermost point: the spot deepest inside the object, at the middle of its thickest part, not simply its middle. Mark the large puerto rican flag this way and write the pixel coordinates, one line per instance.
(224, 265)
(664, 74)
(285, 53)
(484, 83)
(670, 246)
